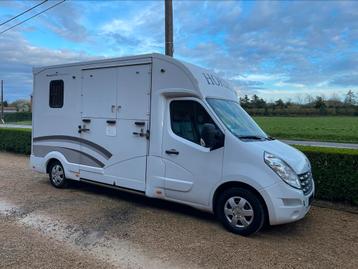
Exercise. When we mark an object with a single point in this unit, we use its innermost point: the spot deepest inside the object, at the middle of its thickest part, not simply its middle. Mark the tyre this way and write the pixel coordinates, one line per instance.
(57, 175)
(240, 211)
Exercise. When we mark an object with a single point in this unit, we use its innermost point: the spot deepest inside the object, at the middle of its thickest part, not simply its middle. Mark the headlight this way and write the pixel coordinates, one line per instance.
(282, 169)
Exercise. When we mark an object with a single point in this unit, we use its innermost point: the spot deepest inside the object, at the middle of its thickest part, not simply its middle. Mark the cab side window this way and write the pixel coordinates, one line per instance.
(188, 118)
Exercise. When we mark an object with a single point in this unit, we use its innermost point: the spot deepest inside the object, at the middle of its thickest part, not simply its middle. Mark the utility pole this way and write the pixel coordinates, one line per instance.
(169, 45)
(2, 102)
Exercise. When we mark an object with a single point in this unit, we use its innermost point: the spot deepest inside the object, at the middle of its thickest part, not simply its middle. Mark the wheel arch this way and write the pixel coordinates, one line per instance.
(239, 184)
(50, 162)
(56, 156)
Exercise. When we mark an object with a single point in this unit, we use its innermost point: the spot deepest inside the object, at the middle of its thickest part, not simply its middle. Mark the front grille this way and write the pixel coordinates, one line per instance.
(306, 181)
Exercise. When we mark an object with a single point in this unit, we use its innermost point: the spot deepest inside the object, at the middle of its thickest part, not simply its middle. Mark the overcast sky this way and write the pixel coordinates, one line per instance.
(273, 49)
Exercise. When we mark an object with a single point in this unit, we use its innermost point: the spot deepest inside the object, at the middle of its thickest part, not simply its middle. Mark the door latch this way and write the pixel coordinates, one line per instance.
(82, 129)
(142, 133)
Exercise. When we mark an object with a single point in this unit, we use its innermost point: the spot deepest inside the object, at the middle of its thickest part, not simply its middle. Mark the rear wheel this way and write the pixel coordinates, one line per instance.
(240, 211)
(57, 175)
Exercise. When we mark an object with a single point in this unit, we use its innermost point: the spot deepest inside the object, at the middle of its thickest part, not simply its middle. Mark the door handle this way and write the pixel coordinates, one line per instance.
(139, 123)
(172, 151)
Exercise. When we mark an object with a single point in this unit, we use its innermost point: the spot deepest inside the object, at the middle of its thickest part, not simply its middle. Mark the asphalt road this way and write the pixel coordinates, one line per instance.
(321, 144)
(15, 126)
(91, 227)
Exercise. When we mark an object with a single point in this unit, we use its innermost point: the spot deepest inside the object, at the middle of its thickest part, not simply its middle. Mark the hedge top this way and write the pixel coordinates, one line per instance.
(327, 150)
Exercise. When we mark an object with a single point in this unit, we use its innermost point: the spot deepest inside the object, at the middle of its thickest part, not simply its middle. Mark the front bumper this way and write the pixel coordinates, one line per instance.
(286, 204)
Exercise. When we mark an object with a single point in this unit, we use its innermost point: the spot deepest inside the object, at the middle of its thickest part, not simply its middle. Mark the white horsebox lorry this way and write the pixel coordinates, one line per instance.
(166, 129)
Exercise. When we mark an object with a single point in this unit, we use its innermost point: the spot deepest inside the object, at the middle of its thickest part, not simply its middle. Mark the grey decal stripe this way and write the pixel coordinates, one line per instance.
(98, 148)
(71, 155)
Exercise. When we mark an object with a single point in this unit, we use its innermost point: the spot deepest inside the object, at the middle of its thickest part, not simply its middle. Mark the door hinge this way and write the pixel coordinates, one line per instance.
(147, 135)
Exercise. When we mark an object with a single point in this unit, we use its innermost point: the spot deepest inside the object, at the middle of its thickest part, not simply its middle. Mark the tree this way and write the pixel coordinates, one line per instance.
(279, 103)
(335, 97)
(6, 104)
(289, 103)
(299, 99)
(350, 98)
(320, 104)
(21, 105)
(245, 101)
(309, 99)
(257, 102)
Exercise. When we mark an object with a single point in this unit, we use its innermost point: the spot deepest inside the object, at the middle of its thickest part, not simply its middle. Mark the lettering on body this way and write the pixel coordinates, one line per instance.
(216, 81)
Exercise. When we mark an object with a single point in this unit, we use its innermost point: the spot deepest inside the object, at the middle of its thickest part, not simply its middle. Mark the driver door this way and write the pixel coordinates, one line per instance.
(191, 169)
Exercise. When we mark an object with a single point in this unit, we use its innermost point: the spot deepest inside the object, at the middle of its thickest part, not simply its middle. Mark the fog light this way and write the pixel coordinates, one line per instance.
(292, 202)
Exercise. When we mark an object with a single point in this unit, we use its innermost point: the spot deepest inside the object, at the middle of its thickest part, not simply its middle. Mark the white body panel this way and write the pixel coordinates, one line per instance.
(96, 105)
(117, 103)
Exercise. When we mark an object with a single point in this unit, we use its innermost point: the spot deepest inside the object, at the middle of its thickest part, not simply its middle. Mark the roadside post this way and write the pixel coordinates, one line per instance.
(169, 46)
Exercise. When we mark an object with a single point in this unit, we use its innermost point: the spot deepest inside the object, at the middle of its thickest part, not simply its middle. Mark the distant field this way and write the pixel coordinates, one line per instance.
(335, 129)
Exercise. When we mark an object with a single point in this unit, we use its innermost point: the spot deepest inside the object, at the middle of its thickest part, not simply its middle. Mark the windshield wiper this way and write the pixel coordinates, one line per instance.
(252, 137)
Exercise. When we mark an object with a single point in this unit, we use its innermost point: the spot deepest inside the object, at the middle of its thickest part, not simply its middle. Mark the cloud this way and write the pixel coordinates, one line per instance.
(66, 21)
(296, 45)
(141, 31)
(269, 48)
(17, 57)
(346, 80)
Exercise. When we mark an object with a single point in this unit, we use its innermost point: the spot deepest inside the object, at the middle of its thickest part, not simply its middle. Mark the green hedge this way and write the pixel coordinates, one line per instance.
(18, 116)
(335, 172)
(15, 140)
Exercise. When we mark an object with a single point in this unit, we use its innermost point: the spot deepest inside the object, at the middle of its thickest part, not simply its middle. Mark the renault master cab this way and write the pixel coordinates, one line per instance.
(169, 130)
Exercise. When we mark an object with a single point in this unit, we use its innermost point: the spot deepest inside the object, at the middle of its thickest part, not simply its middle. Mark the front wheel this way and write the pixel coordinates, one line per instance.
(57, 175)
(240, 211)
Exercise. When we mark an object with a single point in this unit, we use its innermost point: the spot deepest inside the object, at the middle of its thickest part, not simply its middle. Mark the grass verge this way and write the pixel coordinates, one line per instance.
(328, 129)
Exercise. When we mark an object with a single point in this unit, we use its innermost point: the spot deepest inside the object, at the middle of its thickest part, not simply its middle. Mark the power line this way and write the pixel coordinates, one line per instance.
(37, 14)
(22, 13)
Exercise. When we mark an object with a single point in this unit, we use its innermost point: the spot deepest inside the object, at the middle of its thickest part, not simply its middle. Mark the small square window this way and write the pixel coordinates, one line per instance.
(56, 93)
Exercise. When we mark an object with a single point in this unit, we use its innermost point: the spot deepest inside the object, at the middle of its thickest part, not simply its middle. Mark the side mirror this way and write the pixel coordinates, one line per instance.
(211, 137)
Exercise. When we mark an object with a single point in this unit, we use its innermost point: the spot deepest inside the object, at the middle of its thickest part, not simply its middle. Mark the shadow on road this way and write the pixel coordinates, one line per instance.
(290, 230)
(142, 201)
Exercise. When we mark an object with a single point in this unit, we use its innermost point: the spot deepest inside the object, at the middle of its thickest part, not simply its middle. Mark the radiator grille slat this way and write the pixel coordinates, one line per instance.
(306, 181)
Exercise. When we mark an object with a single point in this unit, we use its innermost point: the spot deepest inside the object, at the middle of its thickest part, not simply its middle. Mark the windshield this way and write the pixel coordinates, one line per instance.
(236, 119)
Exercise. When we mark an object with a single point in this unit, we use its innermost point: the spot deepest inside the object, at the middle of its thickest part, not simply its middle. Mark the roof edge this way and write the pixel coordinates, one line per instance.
(38, 69)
